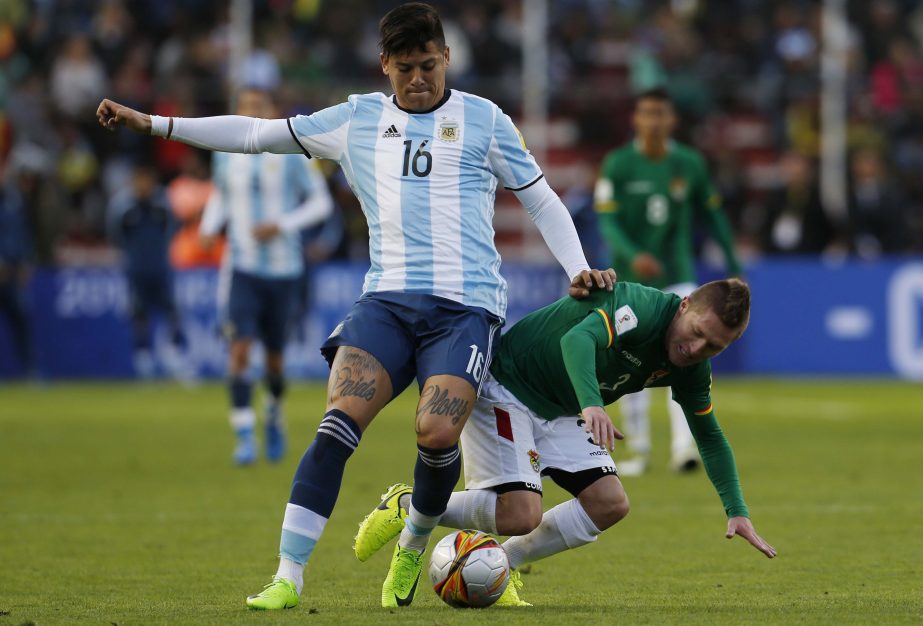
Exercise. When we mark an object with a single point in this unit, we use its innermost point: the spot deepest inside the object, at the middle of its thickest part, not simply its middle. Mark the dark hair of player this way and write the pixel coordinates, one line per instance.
(660, 94)
(728, 298)
(410, 27)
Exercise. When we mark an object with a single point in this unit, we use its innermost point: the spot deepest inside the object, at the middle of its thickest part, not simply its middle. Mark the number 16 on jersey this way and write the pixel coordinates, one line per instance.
(413, 163)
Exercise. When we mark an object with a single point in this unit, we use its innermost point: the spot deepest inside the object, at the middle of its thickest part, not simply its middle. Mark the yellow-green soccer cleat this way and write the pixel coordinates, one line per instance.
(401, 584)
(510, 597)
(279, 594)
(383, 524)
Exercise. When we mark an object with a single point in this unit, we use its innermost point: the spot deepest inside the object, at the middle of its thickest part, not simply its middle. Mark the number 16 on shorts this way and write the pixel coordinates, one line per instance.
(475, 363)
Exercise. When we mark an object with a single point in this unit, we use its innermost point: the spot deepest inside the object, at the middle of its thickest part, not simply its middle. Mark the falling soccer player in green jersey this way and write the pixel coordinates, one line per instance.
(540, 414)
(648, 195)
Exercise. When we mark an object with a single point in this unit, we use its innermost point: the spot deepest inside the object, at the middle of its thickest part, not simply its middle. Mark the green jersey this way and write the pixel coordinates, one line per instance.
(648, 205)
(573, 354)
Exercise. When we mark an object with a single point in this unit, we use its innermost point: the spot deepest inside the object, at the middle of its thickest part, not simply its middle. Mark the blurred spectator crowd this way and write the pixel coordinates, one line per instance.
(744, 75)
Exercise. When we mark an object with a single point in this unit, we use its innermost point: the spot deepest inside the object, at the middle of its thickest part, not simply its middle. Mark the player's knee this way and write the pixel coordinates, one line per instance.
(274, 364)
(240, 356)
(610, 510)
(437, 438)
(619, 508)
(606, 502)
(520, 523)
(518, 515)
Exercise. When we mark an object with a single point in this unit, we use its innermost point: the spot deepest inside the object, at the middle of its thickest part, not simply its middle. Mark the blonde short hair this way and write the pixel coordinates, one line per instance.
(729, 299)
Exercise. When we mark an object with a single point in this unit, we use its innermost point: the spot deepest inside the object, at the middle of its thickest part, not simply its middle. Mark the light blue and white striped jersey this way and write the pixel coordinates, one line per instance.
(252, 189)
(426, 182)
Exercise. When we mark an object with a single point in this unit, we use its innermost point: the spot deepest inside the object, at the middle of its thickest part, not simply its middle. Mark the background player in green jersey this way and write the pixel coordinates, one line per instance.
(541, 414)
(648, 195)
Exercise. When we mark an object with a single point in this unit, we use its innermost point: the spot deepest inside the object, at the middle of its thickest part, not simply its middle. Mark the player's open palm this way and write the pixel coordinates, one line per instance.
(744, 527)
(600, 427)
(112, 114)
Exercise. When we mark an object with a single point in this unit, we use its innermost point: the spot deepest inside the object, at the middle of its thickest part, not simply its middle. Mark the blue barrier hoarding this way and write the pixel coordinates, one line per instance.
(808, 318)
(848, 318)
(80, 326)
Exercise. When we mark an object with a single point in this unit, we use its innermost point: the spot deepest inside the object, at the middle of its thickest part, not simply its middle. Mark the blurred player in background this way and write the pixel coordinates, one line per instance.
(16, 251)
(265, 201)
(648, 195)
(140, 222)
(424, 163)
(189, 193)
(555, 371)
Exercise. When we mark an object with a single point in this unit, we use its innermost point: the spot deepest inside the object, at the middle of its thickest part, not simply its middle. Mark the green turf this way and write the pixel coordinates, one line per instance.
(118, 504)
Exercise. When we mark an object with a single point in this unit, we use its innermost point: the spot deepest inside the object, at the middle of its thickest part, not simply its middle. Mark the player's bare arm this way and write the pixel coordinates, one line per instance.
(112, 114)
(744, 527)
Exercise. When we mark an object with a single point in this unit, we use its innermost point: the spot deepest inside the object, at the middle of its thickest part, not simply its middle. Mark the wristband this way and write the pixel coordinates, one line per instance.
(161, 126)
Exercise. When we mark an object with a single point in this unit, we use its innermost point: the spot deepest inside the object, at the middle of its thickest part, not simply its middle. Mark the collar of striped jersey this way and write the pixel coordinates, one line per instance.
(445, 98)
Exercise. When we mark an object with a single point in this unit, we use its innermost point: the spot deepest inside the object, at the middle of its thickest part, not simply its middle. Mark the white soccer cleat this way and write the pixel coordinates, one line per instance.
(635, 466)
(686, 460)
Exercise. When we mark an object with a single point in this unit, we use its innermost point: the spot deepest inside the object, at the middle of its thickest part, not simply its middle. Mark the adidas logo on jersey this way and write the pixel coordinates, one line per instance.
(391, 132)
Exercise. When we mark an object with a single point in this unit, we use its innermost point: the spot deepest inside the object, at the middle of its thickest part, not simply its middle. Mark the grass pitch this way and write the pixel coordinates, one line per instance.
(118, 504)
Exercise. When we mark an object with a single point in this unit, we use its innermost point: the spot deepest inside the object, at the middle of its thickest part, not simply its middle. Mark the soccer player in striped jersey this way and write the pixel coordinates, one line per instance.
(264, 201)
(648, 194)
(540, 414)
(425, 163)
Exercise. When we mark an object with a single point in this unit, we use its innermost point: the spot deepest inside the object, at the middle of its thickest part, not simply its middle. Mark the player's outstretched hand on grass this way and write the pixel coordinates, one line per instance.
(744, 527)
(112, 114)
(598, 423)
(586, 280)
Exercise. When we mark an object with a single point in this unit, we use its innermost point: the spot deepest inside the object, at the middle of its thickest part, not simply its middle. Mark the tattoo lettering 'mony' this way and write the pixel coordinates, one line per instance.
(437, 401)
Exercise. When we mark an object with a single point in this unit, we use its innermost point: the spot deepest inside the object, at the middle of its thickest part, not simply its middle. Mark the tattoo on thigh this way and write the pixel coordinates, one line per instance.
(364, 363)
(348, 384)
(356, 376)
(437, 401)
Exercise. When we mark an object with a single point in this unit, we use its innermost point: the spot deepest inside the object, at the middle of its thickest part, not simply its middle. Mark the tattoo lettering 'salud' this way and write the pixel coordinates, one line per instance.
(359, 387)
(436, 401)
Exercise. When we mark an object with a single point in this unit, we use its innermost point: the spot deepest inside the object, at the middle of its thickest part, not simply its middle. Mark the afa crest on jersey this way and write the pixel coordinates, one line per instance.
(449, 131)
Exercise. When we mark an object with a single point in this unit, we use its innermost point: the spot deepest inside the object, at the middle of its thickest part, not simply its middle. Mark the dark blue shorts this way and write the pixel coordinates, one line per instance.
(419, 335)
(150, 291)
(260, 308)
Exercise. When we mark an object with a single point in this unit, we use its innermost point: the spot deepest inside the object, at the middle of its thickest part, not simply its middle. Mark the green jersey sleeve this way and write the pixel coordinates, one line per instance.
(578, 349)
(607, 197)
(622, 247)
(694, 396)
(707, 204)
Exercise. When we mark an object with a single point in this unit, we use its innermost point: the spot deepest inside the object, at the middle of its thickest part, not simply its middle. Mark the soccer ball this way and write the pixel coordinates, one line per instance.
(469, 569)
